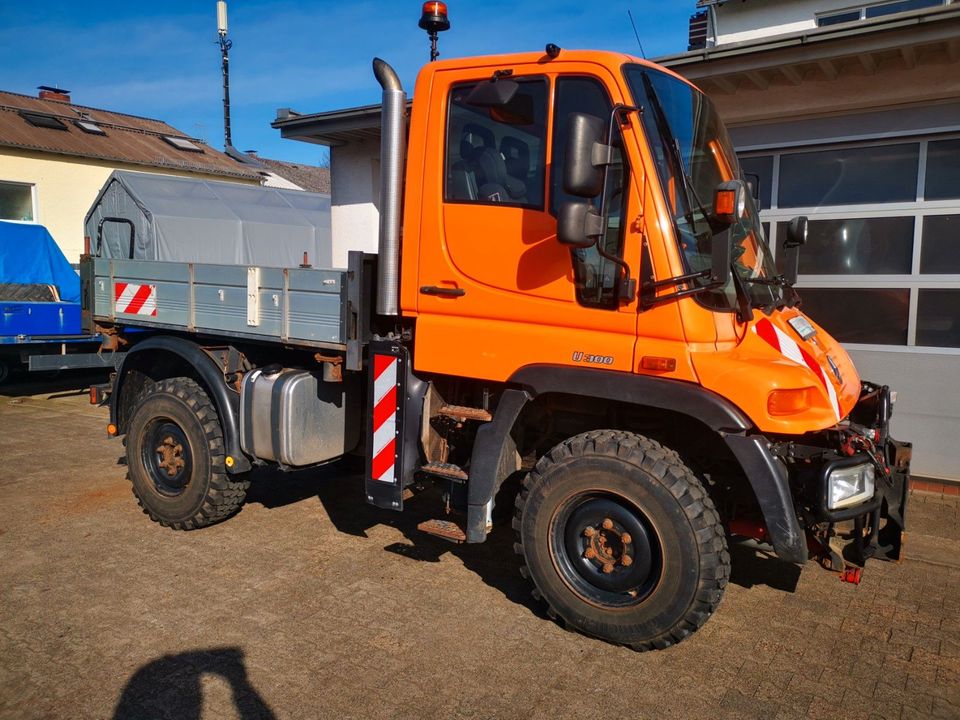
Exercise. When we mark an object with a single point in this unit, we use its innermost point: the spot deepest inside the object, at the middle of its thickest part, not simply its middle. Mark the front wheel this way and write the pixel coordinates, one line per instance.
(175, 458)
(621, 540)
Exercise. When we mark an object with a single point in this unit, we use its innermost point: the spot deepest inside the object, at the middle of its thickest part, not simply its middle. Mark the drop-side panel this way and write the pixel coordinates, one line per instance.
(296, 305)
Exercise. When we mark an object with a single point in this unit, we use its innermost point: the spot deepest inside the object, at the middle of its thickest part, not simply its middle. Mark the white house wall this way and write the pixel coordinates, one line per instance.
(742, 21)
(355, 199)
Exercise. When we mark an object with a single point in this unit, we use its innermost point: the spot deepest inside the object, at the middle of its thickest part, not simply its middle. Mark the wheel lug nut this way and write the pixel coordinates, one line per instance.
(589, 553)
(626, 561)
(626, 539)
(608, 524)
(608, 568)
(589, 532)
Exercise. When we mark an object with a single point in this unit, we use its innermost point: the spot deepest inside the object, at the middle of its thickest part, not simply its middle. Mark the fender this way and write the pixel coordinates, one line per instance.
(226, 402)
(683, 397)
(767, 475)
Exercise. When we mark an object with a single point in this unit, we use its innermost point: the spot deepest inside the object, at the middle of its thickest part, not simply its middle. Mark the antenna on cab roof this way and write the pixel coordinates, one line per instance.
(642, 53)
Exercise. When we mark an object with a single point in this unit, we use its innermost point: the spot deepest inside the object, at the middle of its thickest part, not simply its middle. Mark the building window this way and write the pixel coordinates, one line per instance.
(866, 12)
(758, 171)
(16, 202)
(849, 176)
(495, 155)
(856, 246)
(840, 17)
(868, 316)
(943, 170)
(938, 318)
(882, 262)
(940, 252)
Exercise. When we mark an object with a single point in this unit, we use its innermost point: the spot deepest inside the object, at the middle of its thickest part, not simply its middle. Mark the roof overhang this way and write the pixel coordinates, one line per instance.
(332, 128)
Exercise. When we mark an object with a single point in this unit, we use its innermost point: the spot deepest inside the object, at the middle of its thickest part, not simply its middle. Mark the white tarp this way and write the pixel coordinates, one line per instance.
(204, 221)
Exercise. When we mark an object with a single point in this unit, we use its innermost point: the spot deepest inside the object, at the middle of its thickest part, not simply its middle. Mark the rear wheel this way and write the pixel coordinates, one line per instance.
(175, 458)
(621, 540)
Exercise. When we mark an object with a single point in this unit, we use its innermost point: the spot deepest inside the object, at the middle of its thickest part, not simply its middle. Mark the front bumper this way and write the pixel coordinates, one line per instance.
(879, 522)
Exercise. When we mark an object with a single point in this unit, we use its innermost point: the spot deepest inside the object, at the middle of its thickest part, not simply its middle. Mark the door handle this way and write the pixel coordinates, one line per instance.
(442, 291)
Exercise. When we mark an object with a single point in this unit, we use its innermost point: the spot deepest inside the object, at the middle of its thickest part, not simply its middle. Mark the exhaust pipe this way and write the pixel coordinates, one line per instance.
(393, 142)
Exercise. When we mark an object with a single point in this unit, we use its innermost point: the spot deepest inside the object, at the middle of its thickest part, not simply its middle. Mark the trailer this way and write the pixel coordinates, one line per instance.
(40, 306)
(572, 288)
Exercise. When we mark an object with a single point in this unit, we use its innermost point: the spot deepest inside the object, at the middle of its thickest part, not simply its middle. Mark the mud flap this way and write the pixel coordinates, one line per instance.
(896, 490)
(388, 362)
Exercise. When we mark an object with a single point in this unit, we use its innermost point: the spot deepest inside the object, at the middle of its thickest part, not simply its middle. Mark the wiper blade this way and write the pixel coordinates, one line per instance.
(672, 149)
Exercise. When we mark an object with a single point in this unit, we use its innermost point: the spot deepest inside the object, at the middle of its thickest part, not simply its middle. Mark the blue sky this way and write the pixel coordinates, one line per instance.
(160, 59)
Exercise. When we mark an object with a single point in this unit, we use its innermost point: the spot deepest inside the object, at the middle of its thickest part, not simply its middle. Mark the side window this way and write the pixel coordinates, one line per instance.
(496, 155)
(595, 276)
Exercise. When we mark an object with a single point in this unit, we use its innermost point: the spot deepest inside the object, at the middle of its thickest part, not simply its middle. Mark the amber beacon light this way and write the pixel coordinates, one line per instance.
(434, 19)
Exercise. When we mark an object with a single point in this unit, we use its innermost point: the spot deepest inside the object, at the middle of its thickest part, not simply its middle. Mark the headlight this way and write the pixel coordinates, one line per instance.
(849, 486)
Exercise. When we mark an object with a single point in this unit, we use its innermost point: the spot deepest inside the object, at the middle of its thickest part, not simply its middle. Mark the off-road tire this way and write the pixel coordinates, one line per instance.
(686, 528)
(210, 494)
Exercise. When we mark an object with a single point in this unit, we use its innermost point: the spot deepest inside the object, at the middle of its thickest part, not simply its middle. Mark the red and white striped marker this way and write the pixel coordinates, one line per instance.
(135, 299)
(383, 466)
(788, 347)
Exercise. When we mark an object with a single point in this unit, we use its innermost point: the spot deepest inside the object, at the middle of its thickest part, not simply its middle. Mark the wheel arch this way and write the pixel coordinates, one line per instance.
(707, 415)
(165, 356)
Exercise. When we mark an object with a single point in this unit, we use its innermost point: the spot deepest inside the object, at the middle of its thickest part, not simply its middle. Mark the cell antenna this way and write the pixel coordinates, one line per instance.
(637, 35)
(225, 45)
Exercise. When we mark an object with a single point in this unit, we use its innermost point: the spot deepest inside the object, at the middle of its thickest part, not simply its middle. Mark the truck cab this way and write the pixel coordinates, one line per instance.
(573, 291)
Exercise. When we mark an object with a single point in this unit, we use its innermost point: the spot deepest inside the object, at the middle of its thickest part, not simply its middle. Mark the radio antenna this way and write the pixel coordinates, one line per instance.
(642, 53)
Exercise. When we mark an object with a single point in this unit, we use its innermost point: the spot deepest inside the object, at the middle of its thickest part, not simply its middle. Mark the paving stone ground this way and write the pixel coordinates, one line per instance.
(310, 604)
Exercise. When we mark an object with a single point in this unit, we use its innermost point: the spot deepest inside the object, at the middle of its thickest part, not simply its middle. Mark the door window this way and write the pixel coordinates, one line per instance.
(496, 155)
(594, 275)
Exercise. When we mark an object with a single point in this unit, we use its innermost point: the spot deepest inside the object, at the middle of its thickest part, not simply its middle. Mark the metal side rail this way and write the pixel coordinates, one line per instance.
(303, 306)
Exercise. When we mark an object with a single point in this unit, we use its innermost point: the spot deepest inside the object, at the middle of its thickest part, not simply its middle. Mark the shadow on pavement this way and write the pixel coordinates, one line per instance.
(55, 384)
(170, 687)
(339, 487)
(751, 566)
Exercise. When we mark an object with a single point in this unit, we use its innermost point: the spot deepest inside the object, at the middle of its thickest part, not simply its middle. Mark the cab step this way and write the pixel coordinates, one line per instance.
(445, 470)
(463, 413)
(443, 529)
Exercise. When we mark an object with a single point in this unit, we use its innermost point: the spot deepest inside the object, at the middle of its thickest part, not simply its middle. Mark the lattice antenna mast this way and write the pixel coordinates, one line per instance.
(225, 45)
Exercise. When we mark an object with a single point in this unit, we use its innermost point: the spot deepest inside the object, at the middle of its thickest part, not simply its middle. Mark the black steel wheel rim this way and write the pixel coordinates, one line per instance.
(606, 549)
(166, 457)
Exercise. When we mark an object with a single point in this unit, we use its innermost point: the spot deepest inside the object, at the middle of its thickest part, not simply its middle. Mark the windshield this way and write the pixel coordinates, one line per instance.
(693, 154)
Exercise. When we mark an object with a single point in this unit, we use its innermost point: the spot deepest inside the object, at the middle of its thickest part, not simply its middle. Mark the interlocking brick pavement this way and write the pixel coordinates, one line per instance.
(310, 604)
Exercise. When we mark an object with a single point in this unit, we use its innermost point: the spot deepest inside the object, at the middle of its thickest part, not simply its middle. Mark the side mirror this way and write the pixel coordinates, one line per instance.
(586, 156)
(796, 237)
(579, 225)
(720, 254)
(796, 232)
(729, 203)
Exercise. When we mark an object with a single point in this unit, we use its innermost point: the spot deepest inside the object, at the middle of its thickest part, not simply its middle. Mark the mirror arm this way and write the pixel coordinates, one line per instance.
(627, 287)
(743, 299)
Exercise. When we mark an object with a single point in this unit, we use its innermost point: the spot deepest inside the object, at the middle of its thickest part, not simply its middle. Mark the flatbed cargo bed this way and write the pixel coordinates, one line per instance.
(309, 307)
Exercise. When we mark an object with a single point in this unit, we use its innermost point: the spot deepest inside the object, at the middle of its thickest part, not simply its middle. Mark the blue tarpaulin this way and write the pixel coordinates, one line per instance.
(29, 255)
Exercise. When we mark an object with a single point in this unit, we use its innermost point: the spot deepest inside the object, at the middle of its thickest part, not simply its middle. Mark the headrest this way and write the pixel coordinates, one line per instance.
(474, 139)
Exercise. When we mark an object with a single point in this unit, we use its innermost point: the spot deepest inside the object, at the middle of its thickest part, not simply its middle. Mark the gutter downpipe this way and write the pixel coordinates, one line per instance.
(392, 150)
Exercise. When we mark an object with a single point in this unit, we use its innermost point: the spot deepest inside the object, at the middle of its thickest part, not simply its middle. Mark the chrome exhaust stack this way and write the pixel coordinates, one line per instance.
(392, 149)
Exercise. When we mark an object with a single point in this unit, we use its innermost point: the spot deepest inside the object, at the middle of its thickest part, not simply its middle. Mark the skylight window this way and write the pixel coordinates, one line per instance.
(182, 144)
(89, 127)
(42, 120)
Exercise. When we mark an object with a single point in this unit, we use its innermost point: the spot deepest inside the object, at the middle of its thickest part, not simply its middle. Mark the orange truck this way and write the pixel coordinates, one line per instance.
(572, 290)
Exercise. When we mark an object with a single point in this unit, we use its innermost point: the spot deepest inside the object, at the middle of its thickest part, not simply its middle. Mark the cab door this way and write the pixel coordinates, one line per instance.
(497, 291)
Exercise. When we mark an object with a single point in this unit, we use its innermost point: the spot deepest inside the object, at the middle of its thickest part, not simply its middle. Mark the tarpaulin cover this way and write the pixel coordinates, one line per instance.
(204, 221)
(30, 256)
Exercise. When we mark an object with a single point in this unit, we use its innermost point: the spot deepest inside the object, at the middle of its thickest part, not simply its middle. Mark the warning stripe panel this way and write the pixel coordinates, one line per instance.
(790, 349)
(384, 441)
(135, 299)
